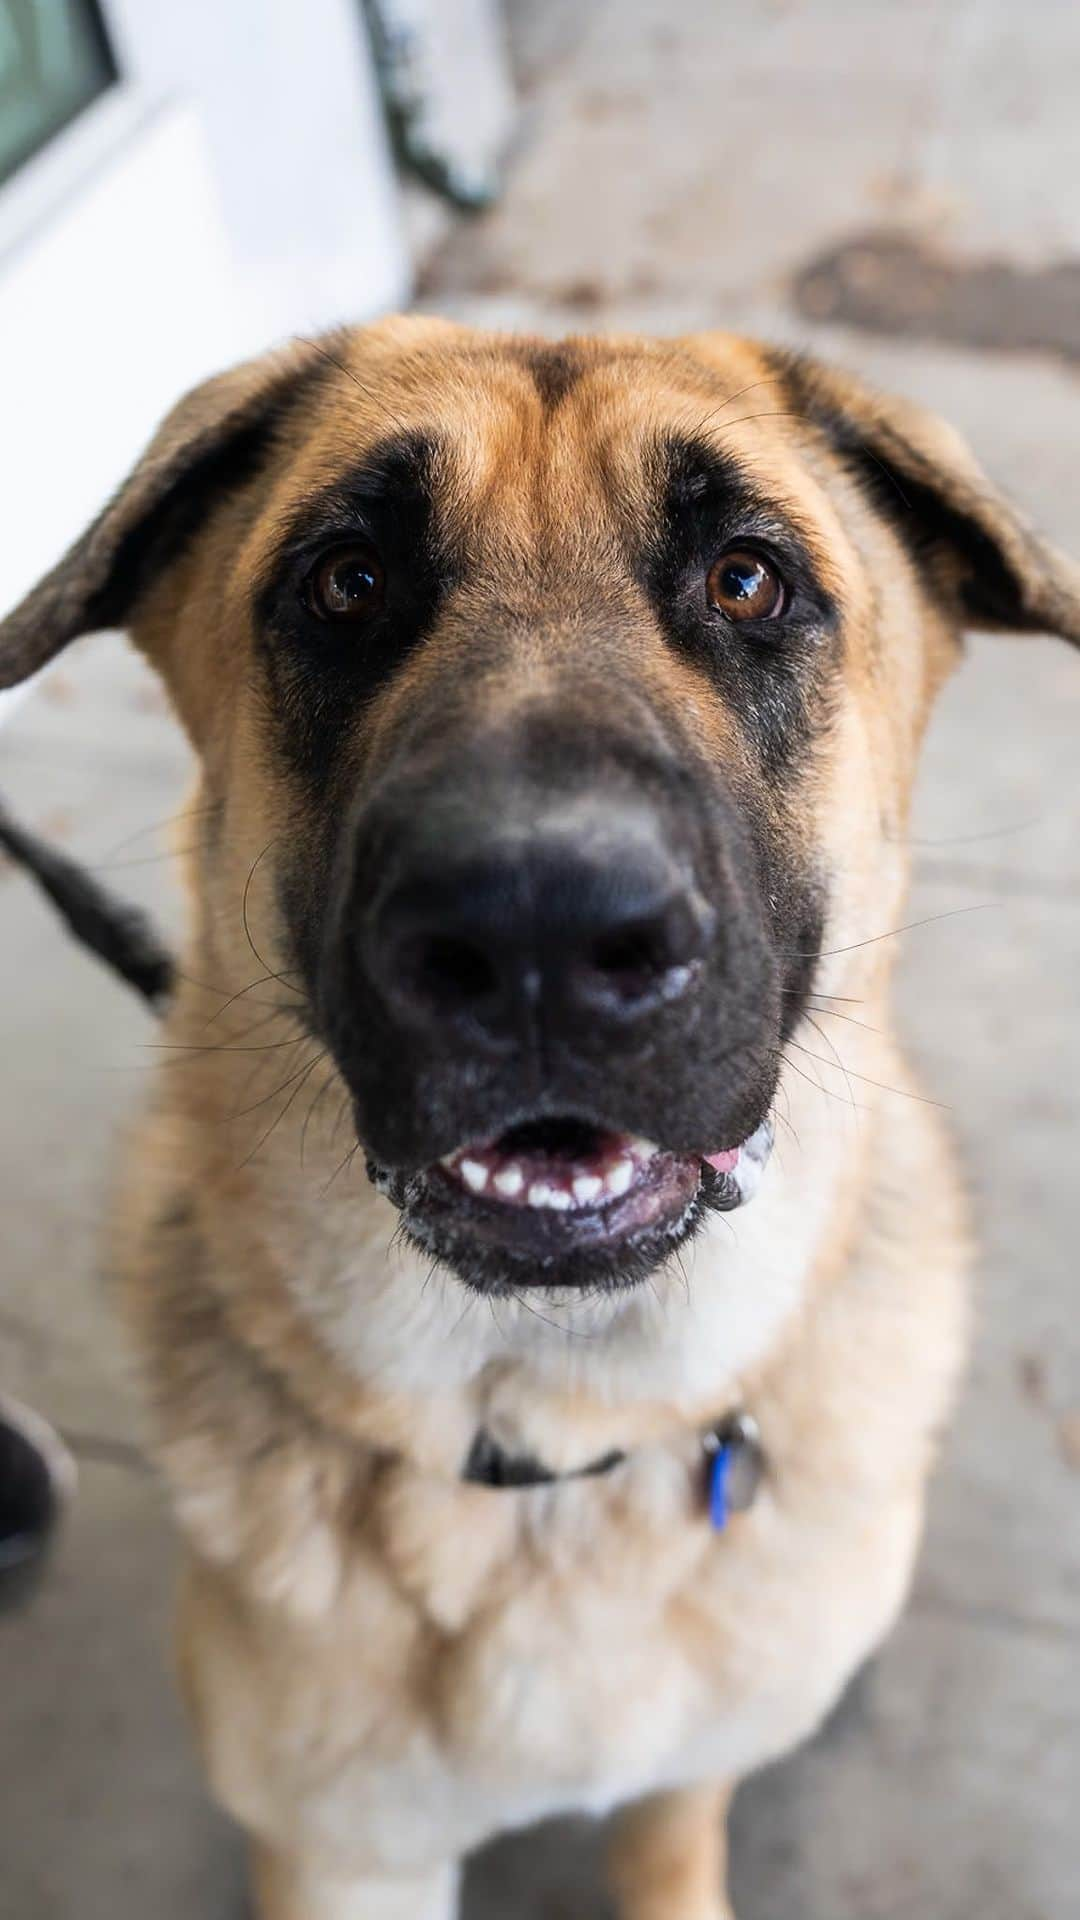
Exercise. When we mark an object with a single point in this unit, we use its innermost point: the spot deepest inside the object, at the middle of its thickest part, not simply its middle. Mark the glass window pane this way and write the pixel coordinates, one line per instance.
(54, 59)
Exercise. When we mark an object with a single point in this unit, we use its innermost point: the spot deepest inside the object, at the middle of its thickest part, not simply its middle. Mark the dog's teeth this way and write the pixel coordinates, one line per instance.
(543, 1194)
(619, 1179)
(557, 1193)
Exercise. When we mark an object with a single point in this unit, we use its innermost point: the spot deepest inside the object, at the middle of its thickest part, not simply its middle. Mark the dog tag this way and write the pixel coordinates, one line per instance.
(734, 1467)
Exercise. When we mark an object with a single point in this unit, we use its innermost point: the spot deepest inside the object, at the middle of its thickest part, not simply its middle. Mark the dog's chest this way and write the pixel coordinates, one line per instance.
(575, 1646)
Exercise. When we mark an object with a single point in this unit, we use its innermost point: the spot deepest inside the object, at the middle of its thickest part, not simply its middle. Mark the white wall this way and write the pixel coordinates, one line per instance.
(286, 96)
(236, 189)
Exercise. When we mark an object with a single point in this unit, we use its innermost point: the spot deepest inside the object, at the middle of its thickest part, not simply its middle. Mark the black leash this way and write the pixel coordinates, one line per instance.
(121, 935)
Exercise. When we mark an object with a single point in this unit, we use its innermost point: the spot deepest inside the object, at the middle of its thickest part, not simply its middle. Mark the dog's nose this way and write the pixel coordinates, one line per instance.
(534, 936)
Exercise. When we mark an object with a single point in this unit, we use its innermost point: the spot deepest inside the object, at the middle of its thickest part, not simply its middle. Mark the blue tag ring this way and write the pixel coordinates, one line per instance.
(735, 1464)
(719, 1470)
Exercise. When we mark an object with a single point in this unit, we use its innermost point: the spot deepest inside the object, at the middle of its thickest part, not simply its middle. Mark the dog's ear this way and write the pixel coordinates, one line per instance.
(985, 559)
(211, 442)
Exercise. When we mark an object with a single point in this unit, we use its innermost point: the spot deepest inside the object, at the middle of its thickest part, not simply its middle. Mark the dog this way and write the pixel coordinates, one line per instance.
(548, 1284)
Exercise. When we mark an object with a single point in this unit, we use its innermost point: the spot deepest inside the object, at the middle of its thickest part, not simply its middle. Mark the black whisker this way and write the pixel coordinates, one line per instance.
(264, 978)
(226, 1046)
(244, 905)
(170, 820)
(817, 1084)
(714, 413)
(244, 1111)
(903, 1093)
(970, 839)
(279, 1117)
(831, 1013)
(569, 1333)
(831, 953)
(187, 1051)
(149, 859)
(368, 393)
(318, 1098)
(832, 1049)
(799, 413)
(338, 1169)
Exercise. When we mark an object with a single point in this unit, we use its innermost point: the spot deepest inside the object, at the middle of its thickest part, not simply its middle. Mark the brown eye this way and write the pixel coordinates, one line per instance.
(745, 586)
(348, 583)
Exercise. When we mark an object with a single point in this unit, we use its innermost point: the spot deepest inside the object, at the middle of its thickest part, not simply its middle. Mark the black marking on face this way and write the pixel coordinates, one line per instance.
(322, 672)
(555, 369)
(773, 674)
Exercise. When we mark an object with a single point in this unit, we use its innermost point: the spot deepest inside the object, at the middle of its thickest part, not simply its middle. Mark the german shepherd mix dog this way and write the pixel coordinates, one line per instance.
(557, 709)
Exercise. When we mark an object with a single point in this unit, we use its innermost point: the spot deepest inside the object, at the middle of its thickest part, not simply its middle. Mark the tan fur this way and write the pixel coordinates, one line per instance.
(668, 1856)
(386, 1665)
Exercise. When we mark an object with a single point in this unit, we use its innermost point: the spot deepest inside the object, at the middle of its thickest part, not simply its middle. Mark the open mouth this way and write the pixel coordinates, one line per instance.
(566, 1202)
(567, 1166)
(575, 1173)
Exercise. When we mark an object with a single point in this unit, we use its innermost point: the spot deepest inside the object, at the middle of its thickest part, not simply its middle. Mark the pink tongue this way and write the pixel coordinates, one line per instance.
(723, 1162)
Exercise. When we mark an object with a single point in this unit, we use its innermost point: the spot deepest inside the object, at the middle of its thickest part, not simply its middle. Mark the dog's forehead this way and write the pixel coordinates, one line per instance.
(535, 435)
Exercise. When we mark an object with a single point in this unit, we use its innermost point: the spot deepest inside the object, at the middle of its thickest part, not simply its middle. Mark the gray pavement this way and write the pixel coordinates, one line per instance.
(681, 164)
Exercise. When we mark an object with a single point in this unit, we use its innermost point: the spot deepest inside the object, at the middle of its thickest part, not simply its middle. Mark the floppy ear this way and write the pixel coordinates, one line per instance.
(210, 442)
(922, 474)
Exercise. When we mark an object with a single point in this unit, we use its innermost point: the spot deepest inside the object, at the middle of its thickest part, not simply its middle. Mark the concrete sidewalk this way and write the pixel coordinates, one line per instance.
(682, 164)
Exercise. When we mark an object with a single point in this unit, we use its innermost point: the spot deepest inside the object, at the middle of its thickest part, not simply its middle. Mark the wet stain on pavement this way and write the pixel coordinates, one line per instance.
(892, 283)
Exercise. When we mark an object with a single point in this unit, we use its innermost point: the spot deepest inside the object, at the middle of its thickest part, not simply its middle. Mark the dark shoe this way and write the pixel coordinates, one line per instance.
(37, 1474)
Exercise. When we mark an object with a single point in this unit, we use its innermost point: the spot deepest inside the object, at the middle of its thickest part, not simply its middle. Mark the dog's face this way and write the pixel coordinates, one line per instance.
(564, 701)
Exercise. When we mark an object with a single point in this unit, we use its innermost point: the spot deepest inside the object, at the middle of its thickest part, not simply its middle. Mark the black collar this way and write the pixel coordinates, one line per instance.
(488, 1466)
(732, 1465)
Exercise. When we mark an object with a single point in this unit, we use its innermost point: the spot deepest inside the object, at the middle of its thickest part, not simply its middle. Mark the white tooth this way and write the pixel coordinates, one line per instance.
(450, 1160)
(540, 1194)
(509, 1180)
(474, 1175)
(618, 1180)
(643, 1149)
(560, 1200)
(587, 1186)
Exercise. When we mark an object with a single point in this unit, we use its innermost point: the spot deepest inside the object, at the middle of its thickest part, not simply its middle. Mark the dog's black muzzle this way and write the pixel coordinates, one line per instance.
(558, 924)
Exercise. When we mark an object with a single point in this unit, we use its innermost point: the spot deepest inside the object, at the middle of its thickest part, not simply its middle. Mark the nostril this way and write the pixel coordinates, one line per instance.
(446, 971)
(631, 957)
(643, 960)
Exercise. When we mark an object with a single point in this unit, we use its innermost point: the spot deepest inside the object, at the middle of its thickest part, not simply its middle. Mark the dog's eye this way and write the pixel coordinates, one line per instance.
(347, 583)
(745, 586)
